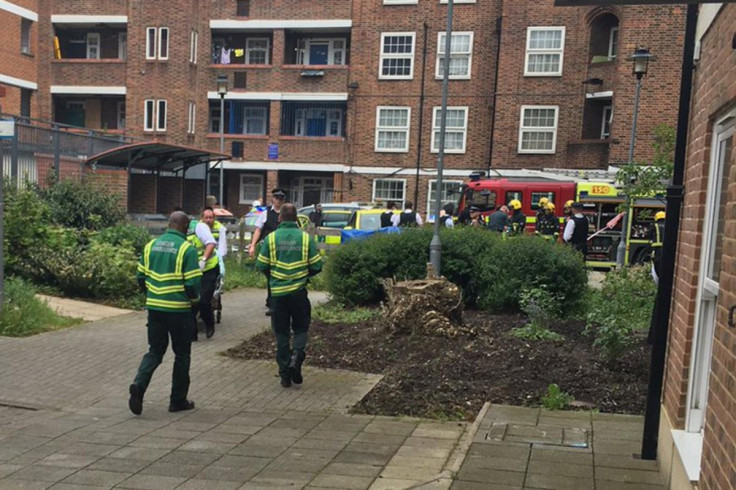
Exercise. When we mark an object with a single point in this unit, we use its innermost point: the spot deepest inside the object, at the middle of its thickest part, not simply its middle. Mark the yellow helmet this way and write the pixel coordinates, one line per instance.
(660, 215)
(543, 202)
(568, 204)
(515, 204)
(550, 207)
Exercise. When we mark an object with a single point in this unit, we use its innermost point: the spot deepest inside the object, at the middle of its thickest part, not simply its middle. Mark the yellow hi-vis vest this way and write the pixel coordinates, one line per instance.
(194, 240)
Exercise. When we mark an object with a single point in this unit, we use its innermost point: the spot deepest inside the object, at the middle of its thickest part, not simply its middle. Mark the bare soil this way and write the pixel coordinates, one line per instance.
(452, 377)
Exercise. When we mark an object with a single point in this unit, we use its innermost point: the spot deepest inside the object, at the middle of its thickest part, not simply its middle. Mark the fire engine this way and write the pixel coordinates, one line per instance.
(601, 202)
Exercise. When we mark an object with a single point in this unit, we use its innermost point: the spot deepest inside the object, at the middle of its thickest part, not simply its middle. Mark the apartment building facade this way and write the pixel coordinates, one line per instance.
(18, 63)
(339, 100)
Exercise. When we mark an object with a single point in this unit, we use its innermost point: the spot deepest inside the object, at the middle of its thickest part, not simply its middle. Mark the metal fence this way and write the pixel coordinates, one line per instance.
(35, 140)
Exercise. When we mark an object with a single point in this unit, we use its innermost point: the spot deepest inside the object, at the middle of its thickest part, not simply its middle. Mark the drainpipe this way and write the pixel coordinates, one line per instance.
(421, 115)
(499, 23)
(661, 314)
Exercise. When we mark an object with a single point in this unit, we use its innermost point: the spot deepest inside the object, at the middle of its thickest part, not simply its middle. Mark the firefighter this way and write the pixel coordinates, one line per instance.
(518, 219)
(576, 229)
(549, 226)
(655, 234)
(567, 210)
(540, 213)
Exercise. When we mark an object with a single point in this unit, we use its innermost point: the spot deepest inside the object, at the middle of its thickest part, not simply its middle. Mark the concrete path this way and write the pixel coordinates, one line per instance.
(88, 312)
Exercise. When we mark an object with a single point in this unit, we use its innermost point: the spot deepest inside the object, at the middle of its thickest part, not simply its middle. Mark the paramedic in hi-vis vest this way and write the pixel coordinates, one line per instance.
(205, 239)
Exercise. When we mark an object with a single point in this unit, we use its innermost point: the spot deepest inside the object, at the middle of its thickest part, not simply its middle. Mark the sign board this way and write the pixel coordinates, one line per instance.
(584, 3)
(7, 128)
(273, 151)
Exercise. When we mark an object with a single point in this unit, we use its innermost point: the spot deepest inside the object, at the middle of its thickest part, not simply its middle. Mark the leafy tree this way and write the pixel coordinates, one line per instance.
(638, 180)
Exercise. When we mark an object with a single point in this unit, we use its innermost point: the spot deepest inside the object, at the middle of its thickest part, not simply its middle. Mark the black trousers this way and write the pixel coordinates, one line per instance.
(161, 326)
(291, 312)
(209, 284)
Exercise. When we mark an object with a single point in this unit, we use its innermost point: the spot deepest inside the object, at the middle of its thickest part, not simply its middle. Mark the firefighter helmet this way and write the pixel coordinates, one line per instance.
(550, 208)
(515, 204)
(568, 204)
(660, 215)
(543, 202)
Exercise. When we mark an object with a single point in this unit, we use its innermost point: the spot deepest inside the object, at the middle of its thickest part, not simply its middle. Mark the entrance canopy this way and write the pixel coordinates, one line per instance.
(154, 155)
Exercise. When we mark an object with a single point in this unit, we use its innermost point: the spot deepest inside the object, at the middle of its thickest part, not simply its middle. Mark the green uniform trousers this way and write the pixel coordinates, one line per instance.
(290, 312)
(161, 325)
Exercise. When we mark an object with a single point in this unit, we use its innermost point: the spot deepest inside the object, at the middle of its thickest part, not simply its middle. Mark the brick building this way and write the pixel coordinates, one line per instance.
(339, 100)
(18, 62)
(697, 435)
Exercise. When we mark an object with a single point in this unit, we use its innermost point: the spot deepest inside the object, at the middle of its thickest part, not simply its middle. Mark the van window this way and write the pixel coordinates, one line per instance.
(536, 196)
(483, 199)
(511, 195)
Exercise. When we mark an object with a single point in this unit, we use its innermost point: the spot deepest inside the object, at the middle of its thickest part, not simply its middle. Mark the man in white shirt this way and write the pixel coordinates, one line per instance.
(576, 230)
(408, 217)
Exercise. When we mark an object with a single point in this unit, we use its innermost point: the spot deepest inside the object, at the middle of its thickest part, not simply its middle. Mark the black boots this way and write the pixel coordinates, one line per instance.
(135, 402)
(295, 366)
(209, 331)
(181, 406)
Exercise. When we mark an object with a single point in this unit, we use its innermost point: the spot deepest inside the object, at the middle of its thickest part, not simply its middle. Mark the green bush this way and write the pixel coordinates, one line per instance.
(23, 314)
(83, 205)
(332, 312)
(555, 398)
(125, 235)
(25, 226)
(542, 308)
(486, 267)
(621, 308)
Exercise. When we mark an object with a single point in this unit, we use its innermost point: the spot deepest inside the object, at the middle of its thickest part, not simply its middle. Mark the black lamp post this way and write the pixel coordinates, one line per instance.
(222, 91)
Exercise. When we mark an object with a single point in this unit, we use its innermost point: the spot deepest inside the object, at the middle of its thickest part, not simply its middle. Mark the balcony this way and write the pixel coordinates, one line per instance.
(90, 42)
(92, 112)
(93, 72)
(587, 153)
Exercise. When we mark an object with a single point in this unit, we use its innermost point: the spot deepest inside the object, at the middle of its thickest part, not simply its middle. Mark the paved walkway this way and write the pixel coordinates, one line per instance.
(64, 423)
(88, 312)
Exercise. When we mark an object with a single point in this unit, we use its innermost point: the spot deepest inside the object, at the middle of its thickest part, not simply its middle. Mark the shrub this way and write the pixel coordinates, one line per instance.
(555, 398)
(332, 312)
(83, 205)
(25, 226)
(125, 236)
(23, 314)
(622, 307)
(541, 307)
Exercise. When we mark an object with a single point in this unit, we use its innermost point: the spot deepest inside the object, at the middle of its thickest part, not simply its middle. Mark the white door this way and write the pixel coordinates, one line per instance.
(93, 46)
(720, 175)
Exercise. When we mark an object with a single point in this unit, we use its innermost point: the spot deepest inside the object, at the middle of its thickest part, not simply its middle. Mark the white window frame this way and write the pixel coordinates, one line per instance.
(149, 113)
(606, 121)
(249, 49)
(400, 2)
(161, 46)
(440, 54)
(330, 50)
(263, 117)
(331, 115)
(121, 114)
(430, 197)
(122, 45)
(529, 51)
(191, 118)
(458, 1)
(436, 128)
(161, 104)
(93, 46)
(248, 200)
(613, 32)
(25, 35)
(382, 56)
(399, 203)
(193, 42)
(151, 36)
(553, 130)
(397, 129)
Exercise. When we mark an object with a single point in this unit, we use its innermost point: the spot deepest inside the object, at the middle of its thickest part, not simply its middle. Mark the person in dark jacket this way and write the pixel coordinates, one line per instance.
(541, 212)
(446, 215)
(499, 220)
(548, 224)
(316, 215)
(388, 215)
(408, 217)
(576, 230)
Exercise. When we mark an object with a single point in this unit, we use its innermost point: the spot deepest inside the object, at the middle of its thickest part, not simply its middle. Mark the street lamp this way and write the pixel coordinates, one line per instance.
(641, 59)
(222, 90)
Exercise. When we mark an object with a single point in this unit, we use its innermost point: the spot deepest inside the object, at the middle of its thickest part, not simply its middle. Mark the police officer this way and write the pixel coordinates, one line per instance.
(169, 273)
(548, 225)
(388, 215)
(267, 223)
(288, 257)
(446, 215)
(518, 219)
(540, 213)
(499, 221)
(408, 217)
(655, 235)
(206, 239)
(576, 230)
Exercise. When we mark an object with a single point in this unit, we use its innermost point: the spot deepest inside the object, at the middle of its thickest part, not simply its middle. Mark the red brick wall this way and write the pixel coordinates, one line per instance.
(287, 9)
(14, 63)
(714, 93)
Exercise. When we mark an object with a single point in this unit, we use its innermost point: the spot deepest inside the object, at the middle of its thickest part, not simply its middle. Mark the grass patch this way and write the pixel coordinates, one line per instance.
(23, 314)
(244, 275)
(331, 312)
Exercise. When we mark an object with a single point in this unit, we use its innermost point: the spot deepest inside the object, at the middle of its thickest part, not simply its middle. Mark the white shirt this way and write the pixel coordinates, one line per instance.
(204, 234)
(261, 220)
(222, 242)
(396, 218)
(570, 228)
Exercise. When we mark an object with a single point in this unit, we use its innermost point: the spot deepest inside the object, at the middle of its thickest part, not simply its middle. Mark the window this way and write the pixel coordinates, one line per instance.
(322, 52)
(154, 115)
(215, 118)
(511, 195)
(256, 51)
(606, 122)
(122, 45)
(255, 120)
(397, 55)
(25, 102)
(193, 41)
(544, 47)
(456, 129)
(447, 196)
(243, 8)
(385, 190)
(536, 196)
(163, 43)
(461, 52)
(192, 118)
(25, 36)
(93, 46)
(400, 2)
(157, 51)
(251, 188)
(538, 129)
(613, 43)
(121, 115)
(459, 1)
(392, 129)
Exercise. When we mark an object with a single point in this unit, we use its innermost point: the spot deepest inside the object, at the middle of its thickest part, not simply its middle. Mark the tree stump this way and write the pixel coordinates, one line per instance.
(432, 306)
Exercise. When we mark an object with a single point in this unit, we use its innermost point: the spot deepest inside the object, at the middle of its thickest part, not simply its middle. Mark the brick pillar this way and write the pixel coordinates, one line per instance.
(272, 181)
(277, 50)
(274, 123)
(337, 183)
